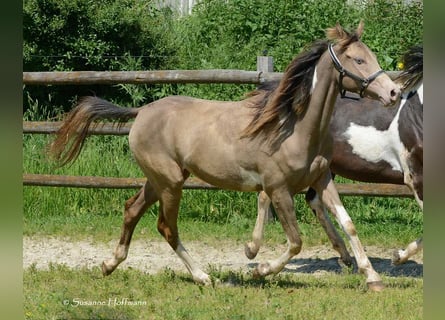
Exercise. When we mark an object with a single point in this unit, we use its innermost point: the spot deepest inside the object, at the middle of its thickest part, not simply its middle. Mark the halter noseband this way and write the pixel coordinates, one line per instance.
(364, 82)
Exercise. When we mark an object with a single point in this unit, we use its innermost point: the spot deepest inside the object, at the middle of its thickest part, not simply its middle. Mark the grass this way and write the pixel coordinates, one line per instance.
(131, 294)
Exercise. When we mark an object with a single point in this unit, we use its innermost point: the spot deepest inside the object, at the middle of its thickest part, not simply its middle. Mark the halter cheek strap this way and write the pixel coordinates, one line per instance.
(363, 82)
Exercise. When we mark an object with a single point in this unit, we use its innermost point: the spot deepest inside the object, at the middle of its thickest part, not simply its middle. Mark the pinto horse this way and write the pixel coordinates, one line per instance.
(277, 141)
(371, 144)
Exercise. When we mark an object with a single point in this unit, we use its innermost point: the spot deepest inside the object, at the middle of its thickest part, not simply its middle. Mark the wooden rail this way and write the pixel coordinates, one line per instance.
(147, 77)
(48, 127)
(349, 189)
(159, 76)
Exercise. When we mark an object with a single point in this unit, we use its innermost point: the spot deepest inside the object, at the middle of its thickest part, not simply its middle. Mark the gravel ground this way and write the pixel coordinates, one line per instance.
(154, 256)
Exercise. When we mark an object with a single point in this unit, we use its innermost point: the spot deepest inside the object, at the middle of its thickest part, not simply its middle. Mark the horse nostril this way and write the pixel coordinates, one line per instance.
(395, 94)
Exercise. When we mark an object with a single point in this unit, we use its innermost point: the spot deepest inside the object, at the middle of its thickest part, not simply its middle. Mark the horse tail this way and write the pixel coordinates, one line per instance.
(89, 111)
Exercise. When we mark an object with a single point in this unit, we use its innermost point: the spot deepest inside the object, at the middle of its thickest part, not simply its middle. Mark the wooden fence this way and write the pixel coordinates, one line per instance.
(263, 74)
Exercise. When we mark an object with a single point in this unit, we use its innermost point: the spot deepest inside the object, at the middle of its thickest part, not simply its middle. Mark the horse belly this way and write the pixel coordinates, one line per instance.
(225, 175)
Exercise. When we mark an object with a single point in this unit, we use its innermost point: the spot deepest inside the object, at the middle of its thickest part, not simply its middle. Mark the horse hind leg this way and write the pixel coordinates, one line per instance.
(283, 203)
(263, 204)
(320, 212)
(135, 208)
(168, 228)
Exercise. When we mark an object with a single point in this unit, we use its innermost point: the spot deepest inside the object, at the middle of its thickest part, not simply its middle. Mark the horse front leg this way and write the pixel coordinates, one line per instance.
(326, 189)
(283, 203)
(401, 256)
(263, 204)
(313, 201)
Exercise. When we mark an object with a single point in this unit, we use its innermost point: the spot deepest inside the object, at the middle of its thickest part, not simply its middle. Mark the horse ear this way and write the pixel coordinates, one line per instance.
(336, 33)
(360, 28)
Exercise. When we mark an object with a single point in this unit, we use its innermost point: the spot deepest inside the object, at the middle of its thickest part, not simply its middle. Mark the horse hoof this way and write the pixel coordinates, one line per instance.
(346, 264)
(376, 286)
(396, 258)
(256, 274)
(262, 270)
(250, 254)
(105, 270)
(347, 261)
(202, 278)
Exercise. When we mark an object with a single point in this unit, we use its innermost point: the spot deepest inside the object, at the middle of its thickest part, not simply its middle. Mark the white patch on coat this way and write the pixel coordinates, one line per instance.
(420, 93)
(375, 145)
(314, 80)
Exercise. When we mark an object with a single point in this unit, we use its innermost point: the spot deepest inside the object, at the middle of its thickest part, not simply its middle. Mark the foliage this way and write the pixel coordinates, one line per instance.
(392, 28)
(230, 34)
(67, 35)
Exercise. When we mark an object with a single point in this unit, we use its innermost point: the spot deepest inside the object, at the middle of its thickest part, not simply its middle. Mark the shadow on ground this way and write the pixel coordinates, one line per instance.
(332, 265)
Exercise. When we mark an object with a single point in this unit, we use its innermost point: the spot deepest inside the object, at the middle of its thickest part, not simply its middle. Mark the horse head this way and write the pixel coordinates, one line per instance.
(359, 70)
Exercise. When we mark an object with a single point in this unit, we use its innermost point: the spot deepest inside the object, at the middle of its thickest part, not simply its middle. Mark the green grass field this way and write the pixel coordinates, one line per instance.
(62, 293)
(209, 216)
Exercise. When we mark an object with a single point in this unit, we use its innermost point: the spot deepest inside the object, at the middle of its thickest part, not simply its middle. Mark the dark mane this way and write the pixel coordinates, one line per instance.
(283, 102)
(412, 73)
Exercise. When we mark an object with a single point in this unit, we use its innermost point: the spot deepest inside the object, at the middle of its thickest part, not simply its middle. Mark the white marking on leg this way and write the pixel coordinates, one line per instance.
(120, 254)
(343, 216)
(263, 205)
(363, 263)
(328, 193)
(197, 274)
(275, 266)
(401, 256)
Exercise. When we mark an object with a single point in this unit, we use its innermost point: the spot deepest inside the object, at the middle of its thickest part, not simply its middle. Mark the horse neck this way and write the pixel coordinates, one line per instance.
(318, 114)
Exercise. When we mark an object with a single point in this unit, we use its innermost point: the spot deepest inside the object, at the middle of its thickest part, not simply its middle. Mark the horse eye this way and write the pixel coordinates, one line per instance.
(358, 60)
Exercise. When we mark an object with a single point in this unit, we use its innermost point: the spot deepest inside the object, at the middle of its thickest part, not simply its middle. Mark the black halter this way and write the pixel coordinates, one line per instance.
(364, 82)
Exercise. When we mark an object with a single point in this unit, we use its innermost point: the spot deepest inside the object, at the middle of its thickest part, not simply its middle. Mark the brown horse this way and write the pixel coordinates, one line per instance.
(371, 144)
(278, 142)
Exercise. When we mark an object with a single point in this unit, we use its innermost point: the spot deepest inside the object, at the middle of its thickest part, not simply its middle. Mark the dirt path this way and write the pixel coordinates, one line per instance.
(154, 256)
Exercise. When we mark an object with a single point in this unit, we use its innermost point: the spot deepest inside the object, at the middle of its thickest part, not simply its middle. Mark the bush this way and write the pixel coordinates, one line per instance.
(230, 34)
(66, 35)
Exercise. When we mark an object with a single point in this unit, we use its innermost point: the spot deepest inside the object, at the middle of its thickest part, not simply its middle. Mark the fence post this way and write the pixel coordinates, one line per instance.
(264, 63)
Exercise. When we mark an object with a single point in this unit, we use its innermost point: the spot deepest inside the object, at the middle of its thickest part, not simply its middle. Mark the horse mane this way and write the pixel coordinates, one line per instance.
(278, 107)
(282, 101)
(412, 73)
